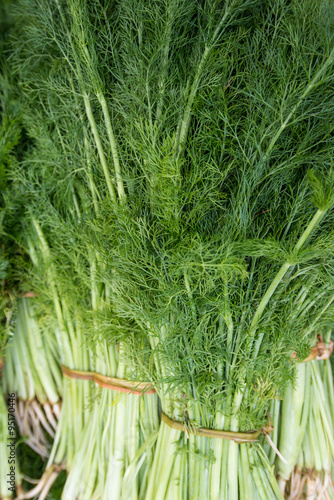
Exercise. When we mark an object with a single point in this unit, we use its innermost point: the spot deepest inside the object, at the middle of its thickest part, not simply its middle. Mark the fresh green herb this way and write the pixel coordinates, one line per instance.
(182, 179)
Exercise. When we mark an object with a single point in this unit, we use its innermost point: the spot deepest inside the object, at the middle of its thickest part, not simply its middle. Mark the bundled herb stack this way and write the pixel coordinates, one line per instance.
(314, 469)
(224, 224)
(105, 438)
(180, 214)
(304, 425)
(32, 372)
(316, 460)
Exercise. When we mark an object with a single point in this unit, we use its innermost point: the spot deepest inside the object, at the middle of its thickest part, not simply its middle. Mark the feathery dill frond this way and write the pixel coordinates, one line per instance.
(185, 151)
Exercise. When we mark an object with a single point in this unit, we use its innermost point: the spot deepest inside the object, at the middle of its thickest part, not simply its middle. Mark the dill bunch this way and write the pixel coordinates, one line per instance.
(205, 231)
(227, 232)
(104, 439)
(31, 371)
(11, 149)
(194, 166)
(303, 423)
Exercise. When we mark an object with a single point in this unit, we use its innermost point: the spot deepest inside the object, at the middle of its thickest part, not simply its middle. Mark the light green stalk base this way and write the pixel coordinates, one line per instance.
(200, 468)
(306, 433)
(32, 362)
(116, 448)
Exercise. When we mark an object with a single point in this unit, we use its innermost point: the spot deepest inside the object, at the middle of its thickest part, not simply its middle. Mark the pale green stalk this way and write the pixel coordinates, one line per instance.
(99, 146)
(113, 147)
(307, 90)
(275, 416)
(40, 356)
(88, 109)
(165, 53)
(315, 456)
(93, 189)
(81, 480)
(217, 447)
(73, 417)
(294, 414)
(274, 284)
(68, 357)
(185, 123)
(19, 373)
(266, 298)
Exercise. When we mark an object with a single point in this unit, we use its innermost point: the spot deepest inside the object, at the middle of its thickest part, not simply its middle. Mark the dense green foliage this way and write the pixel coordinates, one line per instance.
(13, 144)
(218, 113)
(179, 194)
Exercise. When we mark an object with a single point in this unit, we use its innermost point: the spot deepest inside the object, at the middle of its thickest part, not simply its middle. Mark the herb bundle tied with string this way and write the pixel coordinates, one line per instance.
(224, 123)
(105, 439)
(207, 145)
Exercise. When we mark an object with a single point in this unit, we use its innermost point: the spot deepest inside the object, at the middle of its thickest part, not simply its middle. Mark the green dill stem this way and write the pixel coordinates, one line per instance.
(194, 443)
(275, 416)
(94, 291)
(180, 144)
(309, 87)
(59, 446)
(184, 477)
(113, 146)
(98, 143)
(90, 176)
(329, 386)
(187, 284)
(232, 465)
(132, 438)
(260, 309)
(86, 144)
(88, 109)
(116, 468)
(308, 461)
(9, 373)
(149, 106)
(229, 323)
(175, 489)
(322, 407)
(294, 415)
(22, 379)
(265, 299)
(220, 367)
(316, 320)
(223, 478)
(88, 459)
(83, 363)
(39, 355)
(155, 466)
(162, 82)
(187, 112)
(75, 346)
(241, 477)
(166, 461)
(217, 447)
(316, 441)
(107, 401)
(232, 469)
(53, 364)
(244, 466)
(76, 204)
(46, 255)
